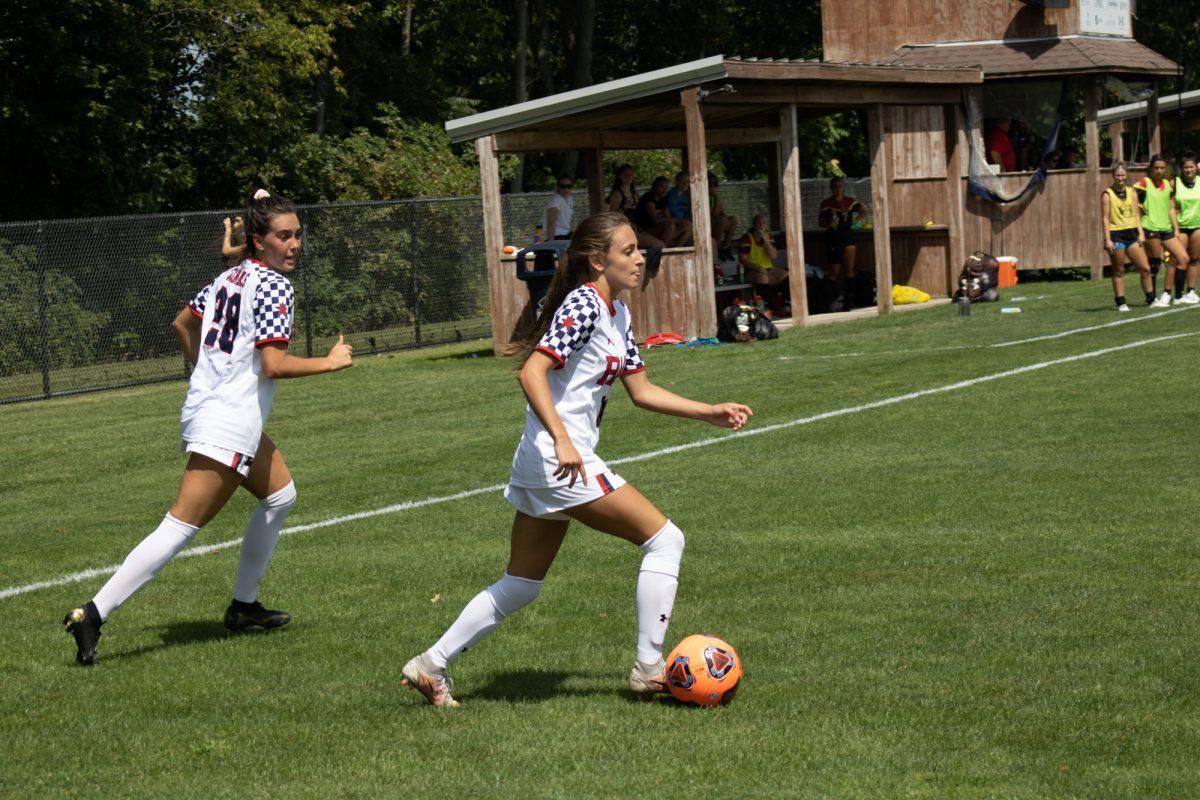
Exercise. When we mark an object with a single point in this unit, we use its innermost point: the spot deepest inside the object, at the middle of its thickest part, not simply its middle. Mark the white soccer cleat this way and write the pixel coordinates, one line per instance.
(1123, 307)
(435, 686)
(1189, 299)
(1163, 301)
(646, 683)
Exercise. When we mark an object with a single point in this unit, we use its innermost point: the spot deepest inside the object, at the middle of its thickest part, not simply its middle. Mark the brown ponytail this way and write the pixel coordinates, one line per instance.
(590, 240)
(258, 215)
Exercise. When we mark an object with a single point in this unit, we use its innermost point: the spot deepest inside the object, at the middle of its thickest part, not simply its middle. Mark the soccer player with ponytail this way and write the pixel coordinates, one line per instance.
(1157, 197)
(236, 333)
(1124, 238)
(1187, 202)
(580, 346)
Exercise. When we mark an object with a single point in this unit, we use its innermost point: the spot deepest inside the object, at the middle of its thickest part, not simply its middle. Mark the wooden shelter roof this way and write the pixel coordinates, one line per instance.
(1166, 103)
(1040, 57)
(742, 98)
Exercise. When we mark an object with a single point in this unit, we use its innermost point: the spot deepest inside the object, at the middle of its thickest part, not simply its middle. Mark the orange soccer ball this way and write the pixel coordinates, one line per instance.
(704, 670)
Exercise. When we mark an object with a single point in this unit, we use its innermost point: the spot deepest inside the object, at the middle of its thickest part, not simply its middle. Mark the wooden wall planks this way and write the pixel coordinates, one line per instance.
(1055, 225)
(868, 30)
(917, 141)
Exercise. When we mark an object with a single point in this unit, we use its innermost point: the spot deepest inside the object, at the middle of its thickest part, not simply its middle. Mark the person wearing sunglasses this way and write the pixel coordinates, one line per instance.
(556, 220)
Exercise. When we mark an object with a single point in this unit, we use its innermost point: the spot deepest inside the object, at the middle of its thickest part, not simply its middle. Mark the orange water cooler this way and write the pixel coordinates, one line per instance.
(1008, 271)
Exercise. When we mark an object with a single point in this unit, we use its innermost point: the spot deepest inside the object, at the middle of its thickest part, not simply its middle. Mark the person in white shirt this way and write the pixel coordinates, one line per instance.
(581, 345)
(236, 333)
(560, 208)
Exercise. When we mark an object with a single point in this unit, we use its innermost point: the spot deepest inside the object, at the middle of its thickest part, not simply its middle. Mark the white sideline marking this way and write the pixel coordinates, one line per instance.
(861, 353)
(96, 572)
(1010, 343)
(429, 501)
(1094, 327)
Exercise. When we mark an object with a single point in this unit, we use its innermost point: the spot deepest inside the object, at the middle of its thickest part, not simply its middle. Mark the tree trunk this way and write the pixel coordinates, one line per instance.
(520, 90)
(406, 36)
(545, 69)
(322, 88)
(582, 29)
(581, 52)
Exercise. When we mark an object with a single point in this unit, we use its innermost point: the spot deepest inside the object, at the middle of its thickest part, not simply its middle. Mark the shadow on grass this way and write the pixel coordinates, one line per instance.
(483, 352)
(1107, 308)
(535, 686)
(181, 634)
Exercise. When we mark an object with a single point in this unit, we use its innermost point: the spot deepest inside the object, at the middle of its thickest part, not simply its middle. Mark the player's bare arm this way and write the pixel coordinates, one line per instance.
(277, 362)
(532, 378)
(186, 326)
(651, 397)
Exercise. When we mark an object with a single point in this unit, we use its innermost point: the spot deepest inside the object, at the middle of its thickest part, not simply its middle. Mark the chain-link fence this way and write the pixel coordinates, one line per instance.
(86, 304)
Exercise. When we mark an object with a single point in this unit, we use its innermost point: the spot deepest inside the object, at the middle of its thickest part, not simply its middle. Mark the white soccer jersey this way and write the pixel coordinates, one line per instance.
(228, 398)
(593, 344)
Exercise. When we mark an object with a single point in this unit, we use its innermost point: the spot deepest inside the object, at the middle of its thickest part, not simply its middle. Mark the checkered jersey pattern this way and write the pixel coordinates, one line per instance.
(200, 301)
(633, 358)
(273, 302)
(572, 325)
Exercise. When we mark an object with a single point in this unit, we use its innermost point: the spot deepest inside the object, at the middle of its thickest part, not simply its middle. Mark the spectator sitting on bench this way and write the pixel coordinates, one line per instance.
(651, 216)
(623, 197)
(679, 198)
(756, 254)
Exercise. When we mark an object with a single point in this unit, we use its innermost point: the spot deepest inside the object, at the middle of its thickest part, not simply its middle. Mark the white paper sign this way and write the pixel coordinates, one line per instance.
(1105, 18)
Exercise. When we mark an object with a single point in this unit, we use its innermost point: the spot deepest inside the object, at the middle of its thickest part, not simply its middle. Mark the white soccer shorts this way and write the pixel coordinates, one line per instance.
(238, 462)
(549, 502)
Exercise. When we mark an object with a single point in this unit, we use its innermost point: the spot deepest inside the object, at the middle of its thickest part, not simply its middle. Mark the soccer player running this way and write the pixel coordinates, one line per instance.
(1187, 202)
(581, 345)
(236, 332)
(1123, 236)
(1156, 195)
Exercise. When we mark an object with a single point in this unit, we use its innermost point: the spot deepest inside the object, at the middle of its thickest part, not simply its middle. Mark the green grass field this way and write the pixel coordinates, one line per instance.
(986, 592)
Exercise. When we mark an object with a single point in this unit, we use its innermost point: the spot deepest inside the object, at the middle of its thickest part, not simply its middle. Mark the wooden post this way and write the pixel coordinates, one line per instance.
(880, 177)
(593, 166)
(493, 233)
(698, 167)
(957, 153)
(793, 219)
(775, 161)
(1091, 135)
(1152, 123)
(1116, 134)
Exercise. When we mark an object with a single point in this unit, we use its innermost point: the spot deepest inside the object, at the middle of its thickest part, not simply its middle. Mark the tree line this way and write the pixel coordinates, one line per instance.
(125, 106)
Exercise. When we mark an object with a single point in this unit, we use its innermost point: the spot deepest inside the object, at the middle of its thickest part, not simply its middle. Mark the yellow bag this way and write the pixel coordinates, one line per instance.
(904, 295)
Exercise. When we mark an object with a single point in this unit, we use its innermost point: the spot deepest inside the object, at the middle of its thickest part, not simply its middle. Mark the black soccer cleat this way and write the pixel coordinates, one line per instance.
(84, 624)
(240, 616)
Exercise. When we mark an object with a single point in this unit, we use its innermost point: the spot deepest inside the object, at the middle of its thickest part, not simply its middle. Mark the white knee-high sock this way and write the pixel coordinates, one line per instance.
(656, 586)
(481, 616)
(143, 563)
(259, 539)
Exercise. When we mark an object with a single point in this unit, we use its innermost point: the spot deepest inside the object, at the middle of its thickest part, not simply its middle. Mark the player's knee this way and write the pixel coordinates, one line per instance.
(510, 594)
(282, 500)
(664, 550)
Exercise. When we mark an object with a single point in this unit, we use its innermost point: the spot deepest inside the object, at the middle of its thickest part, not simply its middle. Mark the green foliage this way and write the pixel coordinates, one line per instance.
(71, 332)
(149, 105)
(409, 158)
